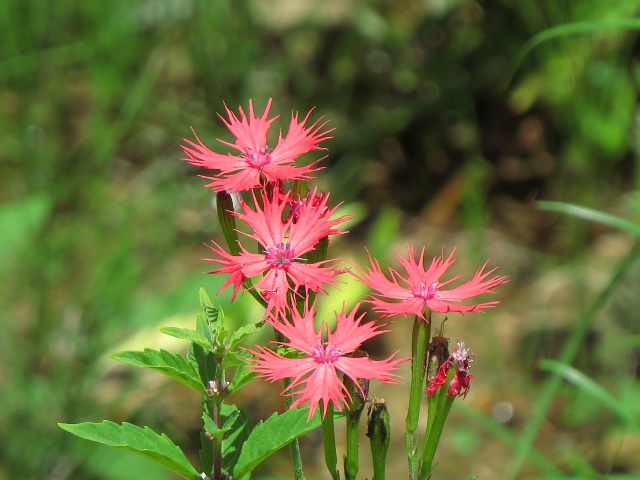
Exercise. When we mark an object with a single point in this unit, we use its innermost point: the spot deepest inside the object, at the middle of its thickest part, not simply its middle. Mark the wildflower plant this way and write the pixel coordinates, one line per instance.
(277, 235)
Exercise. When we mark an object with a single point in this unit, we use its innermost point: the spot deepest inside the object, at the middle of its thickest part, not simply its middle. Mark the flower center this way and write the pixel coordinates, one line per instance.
(326, 354)
(280, 257)
(426, 292)
(258, 158)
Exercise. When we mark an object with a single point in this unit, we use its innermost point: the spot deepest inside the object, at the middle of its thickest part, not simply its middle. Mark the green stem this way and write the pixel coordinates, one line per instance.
(432, 408)
(431, 444)
(352, 461)
(411, 455)
(294, 446)
(419, 344)
(215, 408)
(438, 406)
(215, 405)
(329, 441)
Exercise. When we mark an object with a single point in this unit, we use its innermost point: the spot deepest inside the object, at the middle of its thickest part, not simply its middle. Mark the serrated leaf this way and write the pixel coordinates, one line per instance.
(239, 334)
(207, 305)
(232, 359)
(219, 328)
(204, 362)
(188, 334)
(238, 433)
(215, 324)
(202, 327)
(227, 423)
(171, 364)
(271, 435)
(236, 429)
(142, 441)
(243, 375)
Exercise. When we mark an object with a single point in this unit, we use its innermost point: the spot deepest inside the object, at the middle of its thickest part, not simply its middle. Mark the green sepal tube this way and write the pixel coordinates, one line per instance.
(355, 408)
(419, 341)
(379, 432)
(320, 251)
(224, 205)
(300, 189)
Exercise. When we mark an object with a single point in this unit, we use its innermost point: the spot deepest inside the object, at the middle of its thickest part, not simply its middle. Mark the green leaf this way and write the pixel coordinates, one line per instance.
(567, 29)
(188, 334)
(273, 434)
(591, 215)
(171, 364)
(207, 305)
(591, 388)
(232, 359)
(239, 334)
(219, 328)
(236, 429)
(202, 327)
(243, 375)
(142, 441)
(237, 436)
(215, 324)
(227, 423)
(205, 363)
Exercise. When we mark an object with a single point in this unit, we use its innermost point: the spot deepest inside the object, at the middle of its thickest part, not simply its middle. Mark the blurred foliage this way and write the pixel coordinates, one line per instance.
(102, 225)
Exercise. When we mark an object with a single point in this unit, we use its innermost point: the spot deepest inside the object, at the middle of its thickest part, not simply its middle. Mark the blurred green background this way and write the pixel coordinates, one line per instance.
(452, 118)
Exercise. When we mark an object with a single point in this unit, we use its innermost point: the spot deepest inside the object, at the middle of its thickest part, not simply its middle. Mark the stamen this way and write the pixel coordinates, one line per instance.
(426, 292)
(326, 354)
(258, 159)
(281, 257)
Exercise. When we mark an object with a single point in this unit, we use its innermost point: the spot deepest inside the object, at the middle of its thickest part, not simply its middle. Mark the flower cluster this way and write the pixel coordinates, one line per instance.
(280, 257)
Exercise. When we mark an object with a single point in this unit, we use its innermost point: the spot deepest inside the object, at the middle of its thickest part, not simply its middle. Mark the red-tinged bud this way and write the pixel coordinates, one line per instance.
(379, 432)
(437, 355)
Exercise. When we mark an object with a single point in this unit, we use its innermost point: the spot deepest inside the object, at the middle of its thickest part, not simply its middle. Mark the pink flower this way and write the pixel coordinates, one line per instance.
(316, 372)
(256, 162)
(422, 289)
(283, 244)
